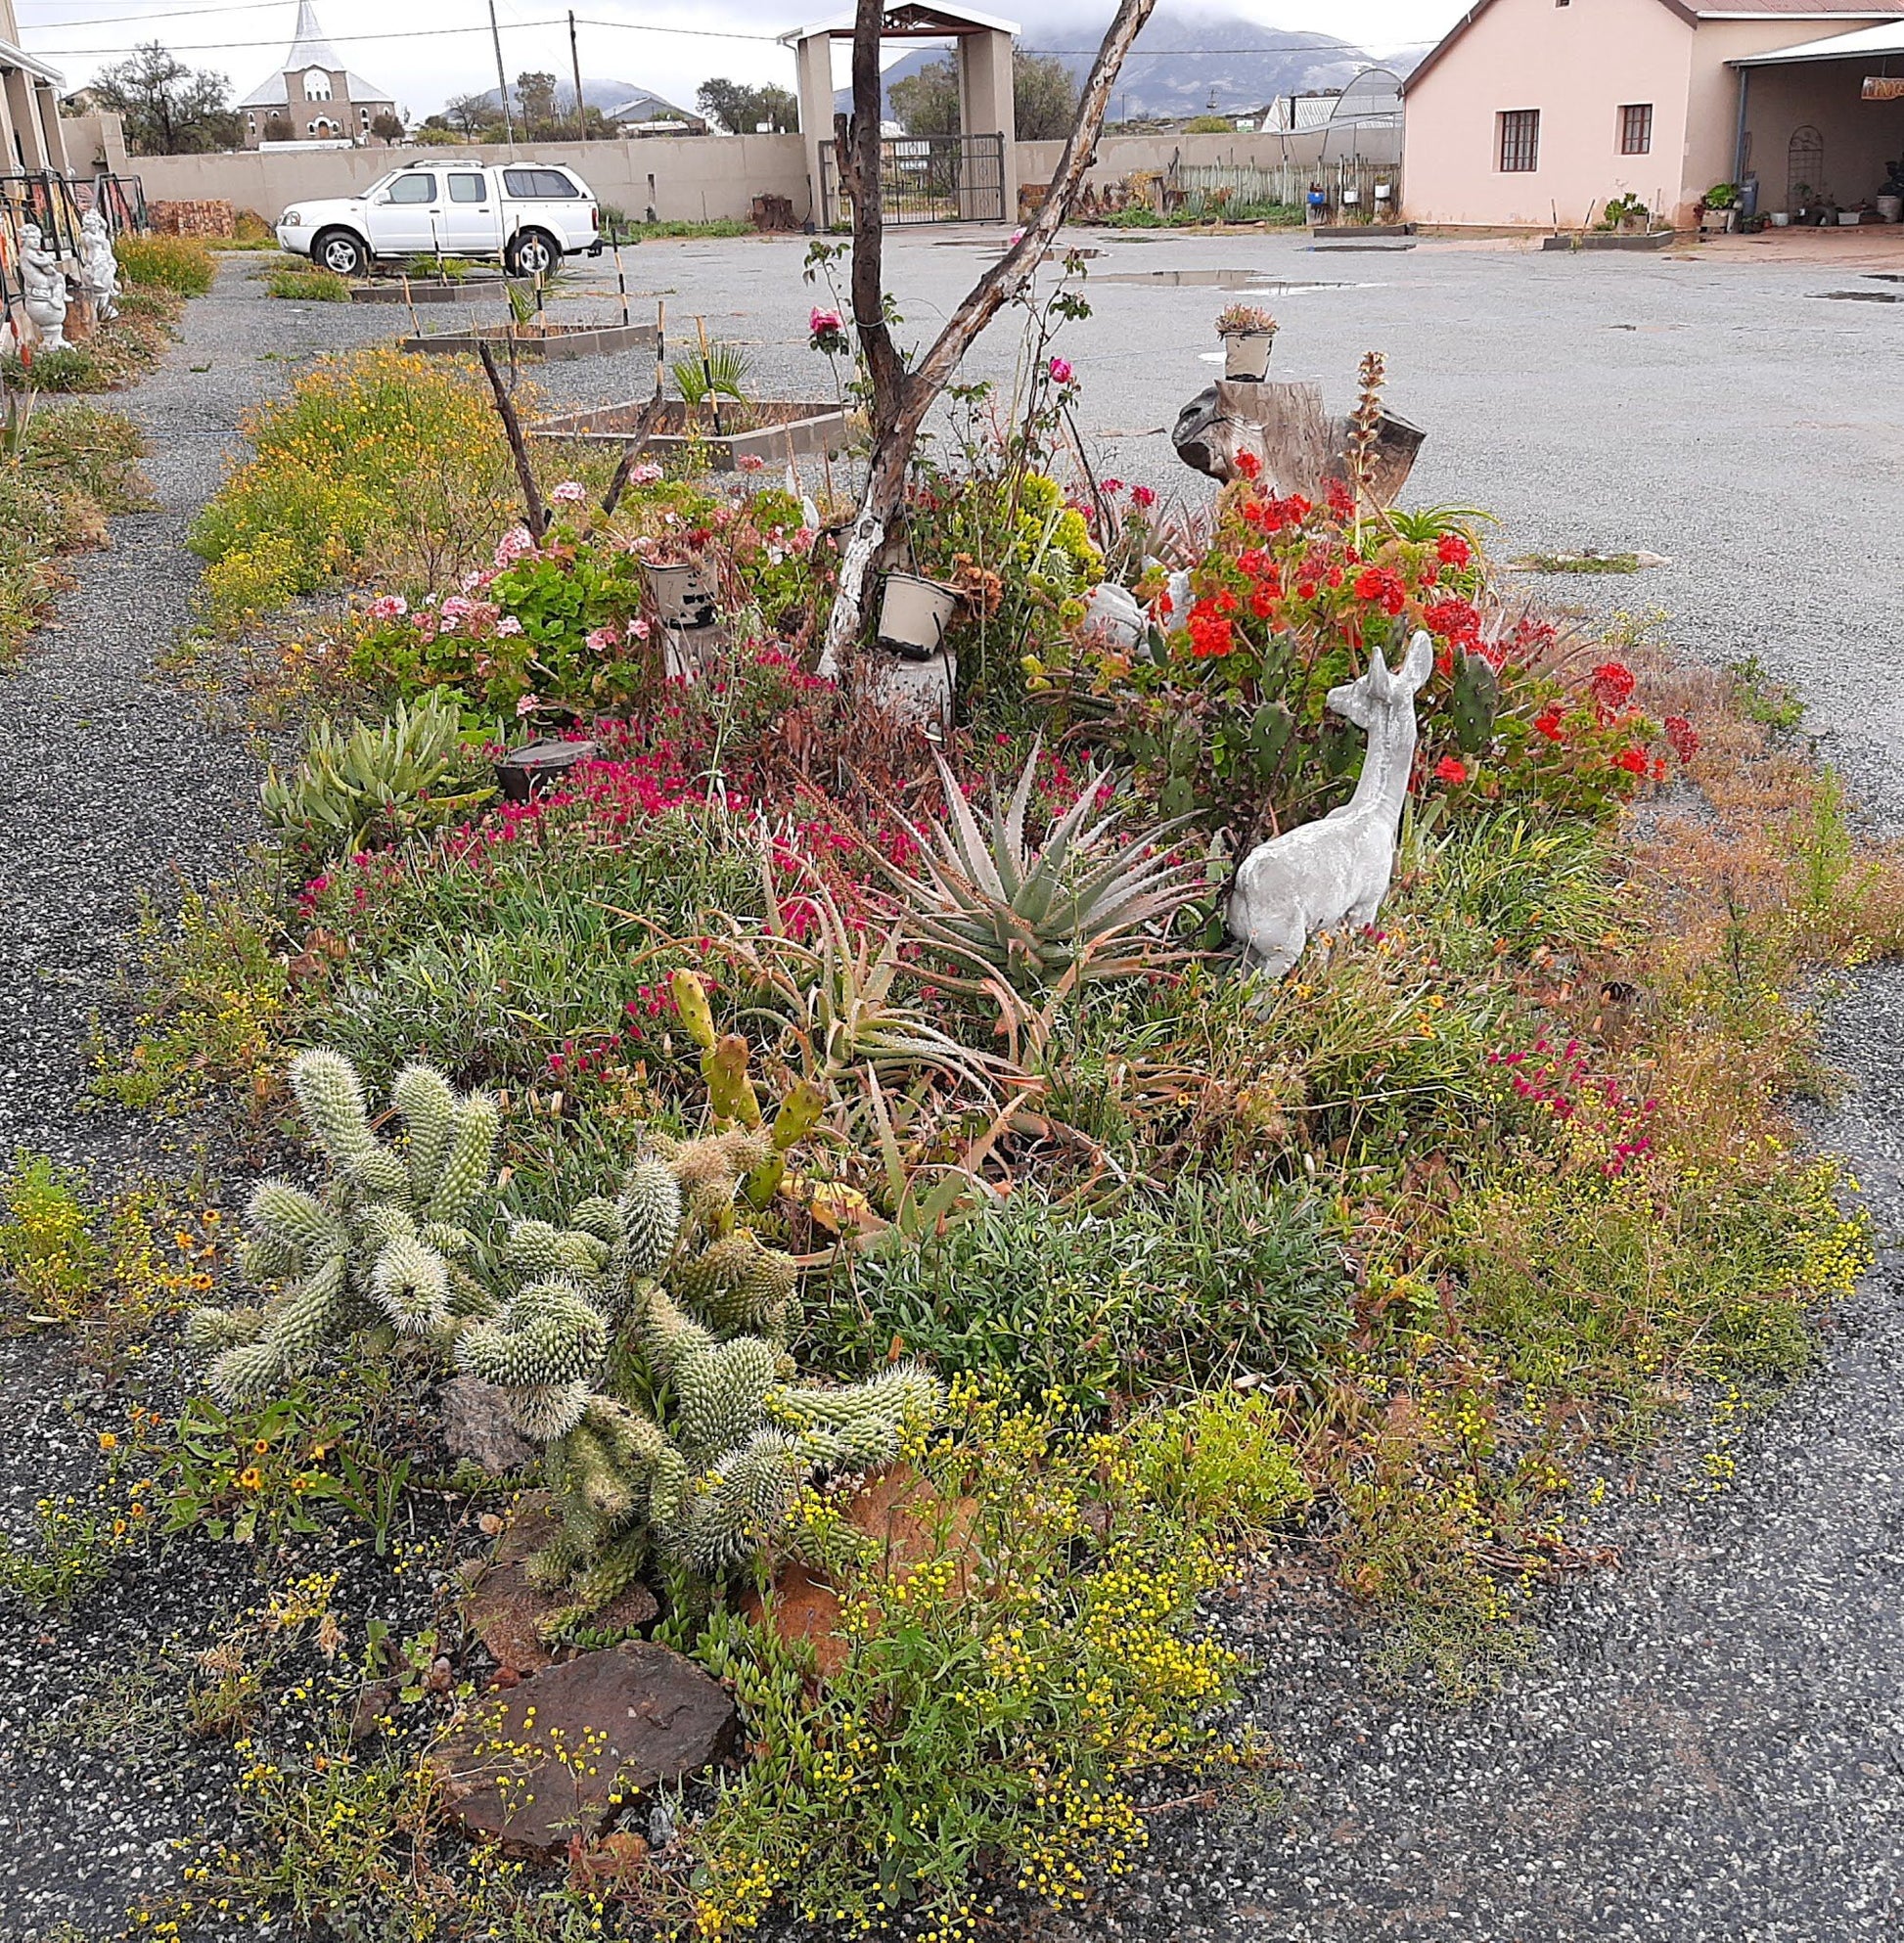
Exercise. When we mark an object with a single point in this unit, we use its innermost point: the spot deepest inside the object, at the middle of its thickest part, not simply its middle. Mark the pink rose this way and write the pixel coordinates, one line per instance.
(824, 320)
(1060, 371)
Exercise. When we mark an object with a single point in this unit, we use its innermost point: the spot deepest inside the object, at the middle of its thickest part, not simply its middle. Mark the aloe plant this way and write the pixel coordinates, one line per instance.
(361, 789)
(1082, 905)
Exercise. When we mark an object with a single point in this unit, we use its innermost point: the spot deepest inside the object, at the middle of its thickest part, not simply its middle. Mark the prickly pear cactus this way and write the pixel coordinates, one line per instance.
(383, 1240)
(1473, 702)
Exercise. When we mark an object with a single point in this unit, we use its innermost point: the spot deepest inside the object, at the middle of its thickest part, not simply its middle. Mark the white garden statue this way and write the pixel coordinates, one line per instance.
(43, 284)
(1336, 871)
(99, 267)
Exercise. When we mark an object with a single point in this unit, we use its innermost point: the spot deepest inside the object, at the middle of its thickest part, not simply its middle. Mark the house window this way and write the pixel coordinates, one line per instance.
(1636, 128)
(1520, 147)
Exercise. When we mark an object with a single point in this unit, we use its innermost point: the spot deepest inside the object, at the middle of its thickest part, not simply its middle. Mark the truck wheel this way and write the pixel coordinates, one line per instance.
(534, 254)
(339, 251)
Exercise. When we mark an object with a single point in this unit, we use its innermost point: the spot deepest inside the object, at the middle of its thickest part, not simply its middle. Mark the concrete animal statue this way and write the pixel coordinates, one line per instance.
(99, 267)
(44, 286)
(1336, 871)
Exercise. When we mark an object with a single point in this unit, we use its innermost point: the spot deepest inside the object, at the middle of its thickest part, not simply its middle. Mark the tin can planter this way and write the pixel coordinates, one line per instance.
(683, 594)
(1246, 355)
(914, 615)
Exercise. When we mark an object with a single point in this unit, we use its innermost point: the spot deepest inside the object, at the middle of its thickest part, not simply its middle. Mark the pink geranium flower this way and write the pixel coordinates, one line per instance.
(570, 492)
(392, 606)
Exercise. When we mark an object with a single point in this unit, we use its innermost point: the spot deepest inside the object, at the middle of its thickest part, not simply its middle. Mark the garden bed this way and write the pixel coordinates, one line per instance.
(1659, 239)
(551, 341)
(471, 289)
(760, 428)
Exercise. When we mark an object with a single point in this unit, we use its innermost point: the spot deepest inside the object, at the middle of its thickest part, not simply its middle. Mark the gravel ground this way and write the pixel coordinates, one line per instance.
(1707, 1744)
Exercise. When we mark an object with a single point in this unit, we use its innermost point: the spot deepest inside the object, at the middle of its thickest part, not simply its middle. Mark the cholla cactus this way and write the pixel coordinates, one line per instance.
(382, 1242)
(692, 1307)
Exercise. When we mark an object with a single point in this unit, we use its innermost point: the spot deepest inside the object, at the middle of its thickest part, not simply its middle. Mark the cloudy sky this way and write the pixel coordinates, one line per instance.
(438, 52)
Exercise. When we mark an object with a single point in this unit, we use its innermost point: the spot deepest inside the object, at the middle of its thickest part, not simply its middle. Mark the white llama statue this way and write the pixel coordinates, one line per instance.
(43, 284)
(99, 267)
(1336, 871)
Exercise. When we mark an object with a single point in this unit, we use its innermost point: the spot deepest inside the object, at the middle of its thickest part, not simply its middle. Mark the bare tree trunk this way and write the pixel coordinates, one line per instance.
(537, 514)
(901, 399)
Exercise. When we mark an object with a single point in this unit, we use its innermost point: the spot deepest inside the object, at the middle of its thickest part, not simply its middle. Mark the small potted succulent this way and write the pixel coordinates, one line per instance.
(1626, 214)
(1248, 335)
(1719, 207)
(914, 615)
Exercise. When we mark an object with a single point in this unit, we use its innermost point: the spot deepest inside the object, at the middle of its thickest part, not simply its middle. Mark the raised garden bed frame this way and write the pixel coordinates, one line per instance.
(570, 340)
(804, 427)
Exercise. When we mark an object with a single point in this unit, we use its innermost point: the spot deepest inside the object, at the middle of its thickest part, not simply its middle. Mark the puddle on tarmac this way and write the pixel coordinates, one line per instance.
(1219, 279)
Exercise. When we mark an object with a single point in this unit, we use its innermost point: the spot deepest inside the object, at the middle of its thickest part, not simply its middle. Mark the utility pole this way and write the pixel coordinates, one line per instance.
(502, 78)
(575, 62)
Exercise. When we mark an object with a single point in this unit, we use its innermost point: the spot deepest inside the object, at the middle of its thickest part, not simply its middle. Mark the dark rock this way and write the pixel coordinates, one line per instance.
(505, 1610)
(478, 1425)
(626, 1720)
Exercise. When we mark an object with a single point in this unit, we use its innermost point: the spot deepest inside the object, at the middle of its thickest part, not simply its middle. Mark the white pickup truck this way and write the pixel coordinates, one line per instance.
(530, 214)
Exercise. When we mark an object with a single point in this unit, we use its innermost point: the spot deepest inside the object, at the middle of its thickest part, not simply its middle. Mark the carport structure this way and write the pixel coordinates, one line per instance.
(1823, 122)
(971, 176)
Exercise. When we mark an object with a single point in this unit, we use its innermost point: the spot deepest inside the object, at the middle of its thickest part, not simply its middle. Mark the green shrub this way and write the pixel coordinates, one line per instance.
(182, 264)
(1003, 1689)
(1216, 1279)
(309, 283)
(71, 368)
(48, 1251)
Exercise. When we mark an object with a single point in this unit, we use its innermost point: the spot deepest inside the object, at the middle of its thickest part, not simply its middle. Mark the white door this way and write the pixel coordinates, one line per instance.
(472, 218)
(405, 217)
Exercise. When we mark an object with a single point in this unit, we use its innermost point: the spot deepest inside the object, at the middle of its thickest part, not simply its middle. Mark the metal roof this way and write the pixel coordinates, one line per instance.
(910, 20)
(311, 48)
(1867, 43)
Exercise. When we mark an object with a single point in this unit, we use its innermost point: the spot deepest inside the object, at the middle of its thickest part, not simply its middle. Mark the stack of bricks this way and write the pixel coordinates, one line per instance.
(192, 218)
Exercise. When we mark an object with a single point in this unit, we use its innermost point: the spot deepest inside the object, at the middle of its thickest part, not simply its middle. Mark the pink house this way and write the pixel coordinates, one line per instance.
(1534, 113)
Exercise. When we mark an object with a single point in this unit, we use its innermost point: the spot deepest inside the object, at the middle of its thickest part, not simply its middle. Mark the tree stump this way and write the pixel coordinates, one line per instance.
(1297, 445)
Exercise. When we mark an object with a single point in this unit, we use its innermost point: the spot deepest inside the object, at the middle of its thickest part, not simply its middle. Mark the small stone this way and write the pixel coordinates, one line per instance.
(631, 1718)
(476, 1424)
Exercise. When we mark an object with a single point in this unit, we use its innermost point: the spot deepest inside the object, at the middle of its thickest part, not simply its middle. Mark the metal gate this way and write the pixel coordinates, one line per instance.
(928, 179)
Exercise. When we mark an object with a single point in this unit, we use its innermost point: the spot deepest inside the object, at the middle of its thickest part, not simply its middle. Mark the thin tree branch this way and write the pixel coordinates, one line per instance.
(538, 515)
(651, 417)
(861, 150)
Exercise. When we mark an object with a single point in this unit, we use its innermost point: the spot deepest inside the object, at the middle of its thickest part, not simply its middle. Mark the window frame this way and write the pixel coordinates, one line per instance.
(1627, 128)
(457, 177)
(1516, 133)
(428, 201)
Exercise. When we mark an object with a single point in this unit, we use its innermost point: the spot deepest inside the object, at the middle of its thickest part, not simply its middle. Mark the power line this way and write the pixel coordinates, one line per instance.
(407, 33)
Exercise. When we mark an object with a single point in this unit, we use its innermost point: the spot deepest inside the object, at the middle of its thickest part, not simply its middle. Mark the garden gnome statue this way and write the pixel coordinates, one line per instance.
(44, 285)
(1336, 871)
(98, 269)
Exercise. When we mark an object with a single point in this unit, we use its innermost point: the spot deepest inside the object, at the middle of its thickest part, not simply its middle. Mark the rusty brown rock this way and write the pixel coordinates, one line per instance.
(503, 1609)
(562, 1754)
(476, 1424)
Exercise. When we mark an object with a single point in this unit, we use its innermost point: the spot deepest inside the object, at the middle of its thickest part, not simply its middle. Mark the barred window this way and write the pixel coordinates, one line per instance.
(1636, 128)
(1519, 148)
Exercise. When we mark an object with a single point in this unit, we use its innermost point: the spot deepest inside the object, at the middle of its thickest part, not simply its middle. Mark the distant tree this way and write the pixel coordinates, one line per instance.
(535, 94)
(168, 109)
(926, 102)
(1209, 125)
(742, 109)
(276, 128)
(436, 133)
(1044, 98)
(1044, 95)
(386, 126)
(465, 113)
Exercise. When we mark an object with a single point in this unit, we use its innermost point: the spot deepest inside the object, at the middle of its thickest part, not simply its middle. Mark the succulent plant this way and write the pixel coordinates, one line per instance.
(1081, 902)
(644, 1343)
(662, 1383)
(383, 1240)
(364, 788)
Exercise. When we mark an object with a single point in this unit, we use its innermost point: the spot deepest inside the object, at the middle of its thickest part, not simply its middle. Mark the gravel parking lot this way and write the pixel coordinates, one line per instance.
(1710, 1743)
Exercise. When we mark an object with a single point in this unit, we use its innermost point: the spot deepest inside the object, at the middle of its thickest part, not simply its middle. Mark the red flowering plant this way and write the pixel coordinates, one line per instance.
(1223, 708)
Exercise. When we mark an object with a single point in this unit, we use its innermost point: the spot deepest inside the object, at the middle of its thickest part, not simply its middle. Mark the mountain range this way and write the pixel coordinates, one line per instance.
(1187, 63)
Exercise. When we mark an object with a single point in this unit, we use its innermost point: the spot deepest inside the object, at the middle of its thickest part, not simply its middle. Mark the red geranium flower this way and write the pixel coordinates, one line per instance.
(1632, 760)
(1685, 739)
(1248, 465)
(1612, 683)
(1548, 723)
(1453, 551)
(1210, 636)
(1383, 586)
(1448, 770)
(1341, 502)
(1142, 495)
